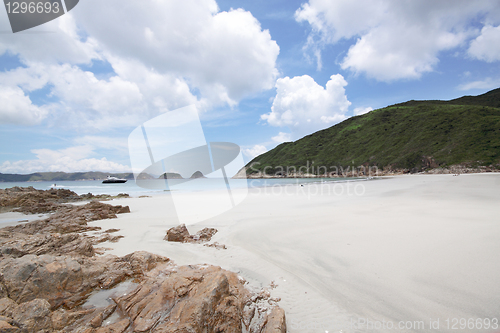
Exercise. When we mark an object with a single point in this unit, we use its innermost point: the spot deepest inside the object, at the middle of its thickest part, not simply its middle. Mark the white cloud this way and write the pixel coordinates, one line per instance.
(282, 137)
(57, 41)
(226, 55)
(255, 151)
(487, 45)
(86, 102)
(394, 39)
(169, 54)
(305, 107)
(362, 110)
(17, 108)
(72, 159)
(488, 83)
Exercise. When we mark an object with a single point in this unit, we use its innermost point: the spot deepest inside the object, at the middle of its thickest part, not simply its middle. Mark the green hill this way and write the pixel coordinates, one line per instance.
(61, 176)
(411, 136)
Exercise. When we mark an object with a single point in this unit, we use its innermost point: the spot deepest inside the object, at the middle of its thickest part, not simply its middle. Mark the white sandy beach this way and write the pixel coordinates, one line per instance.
(405, 249)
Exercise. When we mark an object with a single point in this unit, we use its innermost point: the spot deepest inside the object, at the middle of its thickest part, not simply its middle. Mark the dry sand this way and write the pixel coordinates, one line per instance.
(410, 249)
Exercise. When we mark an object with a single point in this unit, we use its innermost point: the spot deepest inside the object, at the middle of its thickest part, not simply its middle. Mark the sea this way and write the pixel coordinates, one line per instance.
(158, 186)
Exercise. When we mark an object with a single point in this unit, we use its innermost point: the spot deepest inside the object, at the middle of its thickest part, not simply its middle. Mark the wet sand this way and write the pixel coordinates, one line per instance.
(409, 249)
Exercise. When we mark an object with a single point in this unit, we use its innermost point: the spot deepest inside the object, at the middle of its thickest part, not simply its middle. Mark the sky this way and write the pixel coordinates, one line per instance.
(259, 72)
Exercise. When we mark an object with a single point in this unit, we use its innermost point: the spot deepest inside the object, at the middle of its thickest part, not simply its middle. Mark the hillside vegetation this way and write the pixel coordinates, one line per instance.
(60, 176)
(413, 136)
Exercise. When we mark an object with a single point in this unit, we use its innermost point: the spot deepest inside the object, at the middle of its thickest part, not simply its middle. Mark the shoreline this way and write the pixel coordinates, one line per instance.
(334, 257)
(411, 247)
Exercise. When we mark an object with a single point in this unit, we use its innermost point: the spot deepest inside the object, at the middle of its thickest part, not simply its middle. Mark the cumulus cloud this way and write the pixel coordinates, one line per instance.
(282, 137)
(72, 159)
(487, 45)
(169, 54)
(226, 55)
(255, 151)
(487, 83)
(362, 110)
(393, 39)
(17, 108)
(57, 41)
(305, 107)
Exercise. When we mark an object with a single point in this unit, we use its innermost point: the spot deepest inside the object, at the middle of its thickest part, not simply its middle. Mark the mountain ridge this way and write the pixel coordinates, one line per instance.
(413, 136)
(61, 176)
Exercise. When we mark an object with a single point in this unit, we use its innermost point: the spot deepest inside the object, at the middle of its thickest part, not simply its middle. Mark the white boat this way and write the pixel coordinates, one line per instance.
(113, 180)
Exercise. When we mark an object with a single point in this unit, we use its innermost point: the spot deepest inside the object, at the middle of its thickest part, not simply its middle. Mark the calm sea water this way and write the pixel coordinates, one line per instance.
(130, 187)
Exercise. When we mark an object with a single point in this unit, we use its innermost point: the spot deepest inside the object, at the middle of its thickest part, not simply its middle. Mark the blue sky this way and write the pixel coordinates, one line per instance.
(259, 72)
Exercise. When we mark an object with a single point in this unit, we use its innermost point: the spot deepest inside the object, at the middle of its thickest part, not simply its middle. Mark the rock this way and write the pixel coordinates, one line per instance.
(62, 318)
(204, 235)
(7, 307)
(118, 327)
(48, 269)
(196, 298)
(34, 316)
(216, 245)
(61, 280)
(97, 320)
(276, 321)
(70, 219)
(177, 234)
(181, 234)
(30, 200)
(6, 327)
(17, 244)
(197, 174)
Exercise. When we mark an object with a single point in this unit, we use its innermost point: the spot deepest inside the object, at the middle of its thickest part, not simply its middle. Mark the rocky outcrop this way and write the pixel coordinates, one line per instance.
(197, 174)
(50, 276)
(29, 200)
(67, 281)
(46, 293)
(181, 234)
(71, 218)
(60, 233)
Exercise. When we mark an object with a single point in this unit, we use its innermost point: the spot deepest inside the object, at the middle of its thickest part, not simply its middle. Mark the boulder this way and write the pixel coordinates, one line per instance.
(33, 316)
(7, 307)
(181, 234)
(177, 234)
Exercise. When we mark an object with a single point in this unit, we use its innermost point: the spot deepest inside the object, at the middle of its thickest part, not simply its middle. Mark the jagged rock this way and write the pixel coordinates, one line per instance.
(48, 269)
(33, 316)
(6, 327)
(177, 234)
(181, 234)
(62, 318)
(17, 244)
(7, 307)
(118, 327)
(70, 219)
(204, 235)
(276, 322)
(196, 299)
(30, 200)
